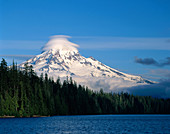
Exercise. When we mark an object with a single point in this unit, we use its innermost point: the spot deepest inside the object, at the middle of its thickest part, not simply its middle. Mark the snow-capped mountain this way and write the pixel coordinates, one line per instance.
(60, 58)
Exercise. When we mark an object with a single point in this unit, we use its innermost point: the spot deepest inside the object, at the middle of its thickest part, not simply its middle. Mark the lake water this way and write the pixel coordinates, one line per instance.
(90, 124)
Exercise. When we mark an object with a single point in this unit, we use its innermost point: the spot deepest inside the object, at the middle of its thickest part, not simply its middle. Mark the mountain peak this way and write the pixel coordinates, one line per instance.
(61, 58)
(60, 43)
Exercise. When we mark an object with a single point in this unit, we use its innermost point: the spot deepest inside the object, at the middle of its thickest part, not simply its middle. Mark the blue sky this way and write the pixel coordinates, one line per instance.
(112, 31)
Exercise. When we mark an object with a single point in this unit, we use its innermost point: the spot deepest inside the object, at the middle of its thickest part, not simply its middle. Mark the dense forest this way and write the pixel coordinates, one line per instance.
(24, 94)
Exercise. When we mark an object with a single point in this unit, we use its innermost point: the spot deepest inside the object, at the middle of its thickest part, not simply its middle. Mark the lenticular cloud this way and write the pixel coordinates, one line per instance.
(60, 42)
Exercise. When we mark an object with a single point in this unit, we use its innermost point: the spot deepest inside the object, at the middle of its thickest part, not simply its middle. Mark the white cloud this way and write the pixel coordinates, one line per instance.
(92, 42)
(60, 42)
(21, 44)
(96, 83)
(123, 43)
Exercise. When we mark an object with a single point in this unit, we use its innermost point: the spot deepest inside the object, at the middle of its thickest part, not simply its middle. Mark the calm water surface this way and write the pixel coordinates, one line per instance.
(93, 124)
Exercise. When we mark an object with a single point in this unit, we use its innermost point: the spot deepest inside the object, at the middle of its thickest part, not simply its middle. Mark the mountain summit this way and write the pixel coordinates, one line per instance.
(60, 42)
(61, 58)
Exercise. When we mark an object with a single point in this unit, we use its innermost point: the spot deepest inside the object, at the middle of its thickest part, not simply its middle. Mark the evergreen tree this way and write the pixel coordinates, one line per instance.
(23, 93)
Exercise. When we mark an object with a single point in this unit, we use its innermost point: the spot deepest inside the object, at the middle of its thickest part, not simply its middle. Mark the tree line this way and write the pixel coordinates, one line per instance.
(24, 94)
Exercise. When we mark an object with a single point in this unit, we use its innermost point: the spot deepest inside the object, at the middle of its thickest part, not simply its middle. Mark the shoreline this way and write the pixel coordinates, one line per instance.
(34, 116)
(37, 116)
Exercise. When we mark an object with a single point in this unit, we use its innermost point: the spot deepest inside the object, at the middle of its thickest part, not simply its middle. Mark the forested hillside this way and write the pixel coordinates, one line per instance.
(23, 93)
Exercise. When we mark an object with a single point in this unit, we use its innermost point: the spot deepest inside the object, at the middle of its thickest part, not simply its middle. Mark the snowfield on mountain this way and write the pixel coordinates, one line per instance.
(61, 58)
